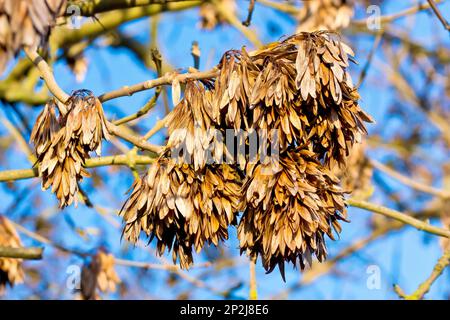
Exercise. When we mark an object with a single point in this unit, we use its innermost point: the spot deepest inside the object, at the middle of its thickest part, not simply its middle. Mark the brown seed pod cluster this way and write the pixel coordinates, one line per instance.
(299, 88)
(182, 208)
(26, 23)
(99, 276)
(233, 88)
(290, 206)
(330, 15)
(305, 91)
(191, 128)
(63, 142)
(11, 272)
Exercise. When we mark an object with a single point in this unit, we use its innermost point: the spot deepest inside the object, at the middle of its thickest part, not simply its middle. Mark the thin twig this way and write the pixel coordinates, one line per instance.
(158, 126)
(281, 6)
(123, 160)
(157, 59)
(399, 216)
(366, 67)
(438, 14)
(196, 53)
(42, 239)
(143, 111)
(395, 16)
(137, 141)
(118, 261)
(251, 8)
(231, 18)
(156, 266)
(166, 79)
(410, 182)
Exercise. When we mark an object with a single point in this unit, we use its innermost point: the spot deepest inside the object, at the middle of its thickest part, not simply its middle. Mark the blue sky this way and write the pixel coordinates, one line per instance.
(406, 257)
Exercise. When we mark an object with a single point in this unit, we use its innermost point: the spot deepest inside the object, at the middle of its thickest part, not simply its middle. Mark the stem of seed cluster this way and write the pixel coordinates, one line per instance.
(253, 295)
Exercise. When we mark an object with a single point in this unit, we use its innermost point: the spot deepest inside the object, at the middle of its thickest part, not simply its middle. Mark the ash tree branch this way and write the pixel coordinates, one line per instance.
(410, 182)
(438, 269)
(31, 253)
(63, 37)
(135, 140)
(390, 213)
(166, 79)
(251, 8)
(121, 160)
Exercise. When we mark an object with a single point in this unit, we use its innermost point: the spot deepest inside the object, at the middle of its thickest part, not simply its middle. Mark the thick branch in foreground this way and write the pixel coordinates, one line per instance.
(399, 216)
(32, 253)
(62, 37)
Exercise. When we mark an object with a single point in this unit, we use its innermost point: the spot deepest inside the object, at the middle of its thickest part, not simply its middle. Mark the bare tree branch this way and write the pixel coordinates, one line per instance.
(420, 225)
(21, 253)
(90, 7)
(166, 79)
(122, 160)
(439, 15)
(410, 182)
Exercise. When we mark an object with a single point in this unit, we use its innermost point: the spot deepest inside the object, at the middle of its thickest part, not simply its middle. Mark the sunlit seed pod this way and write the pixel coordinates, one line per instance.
(182, 208)
(289, 208)
(63, 143)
